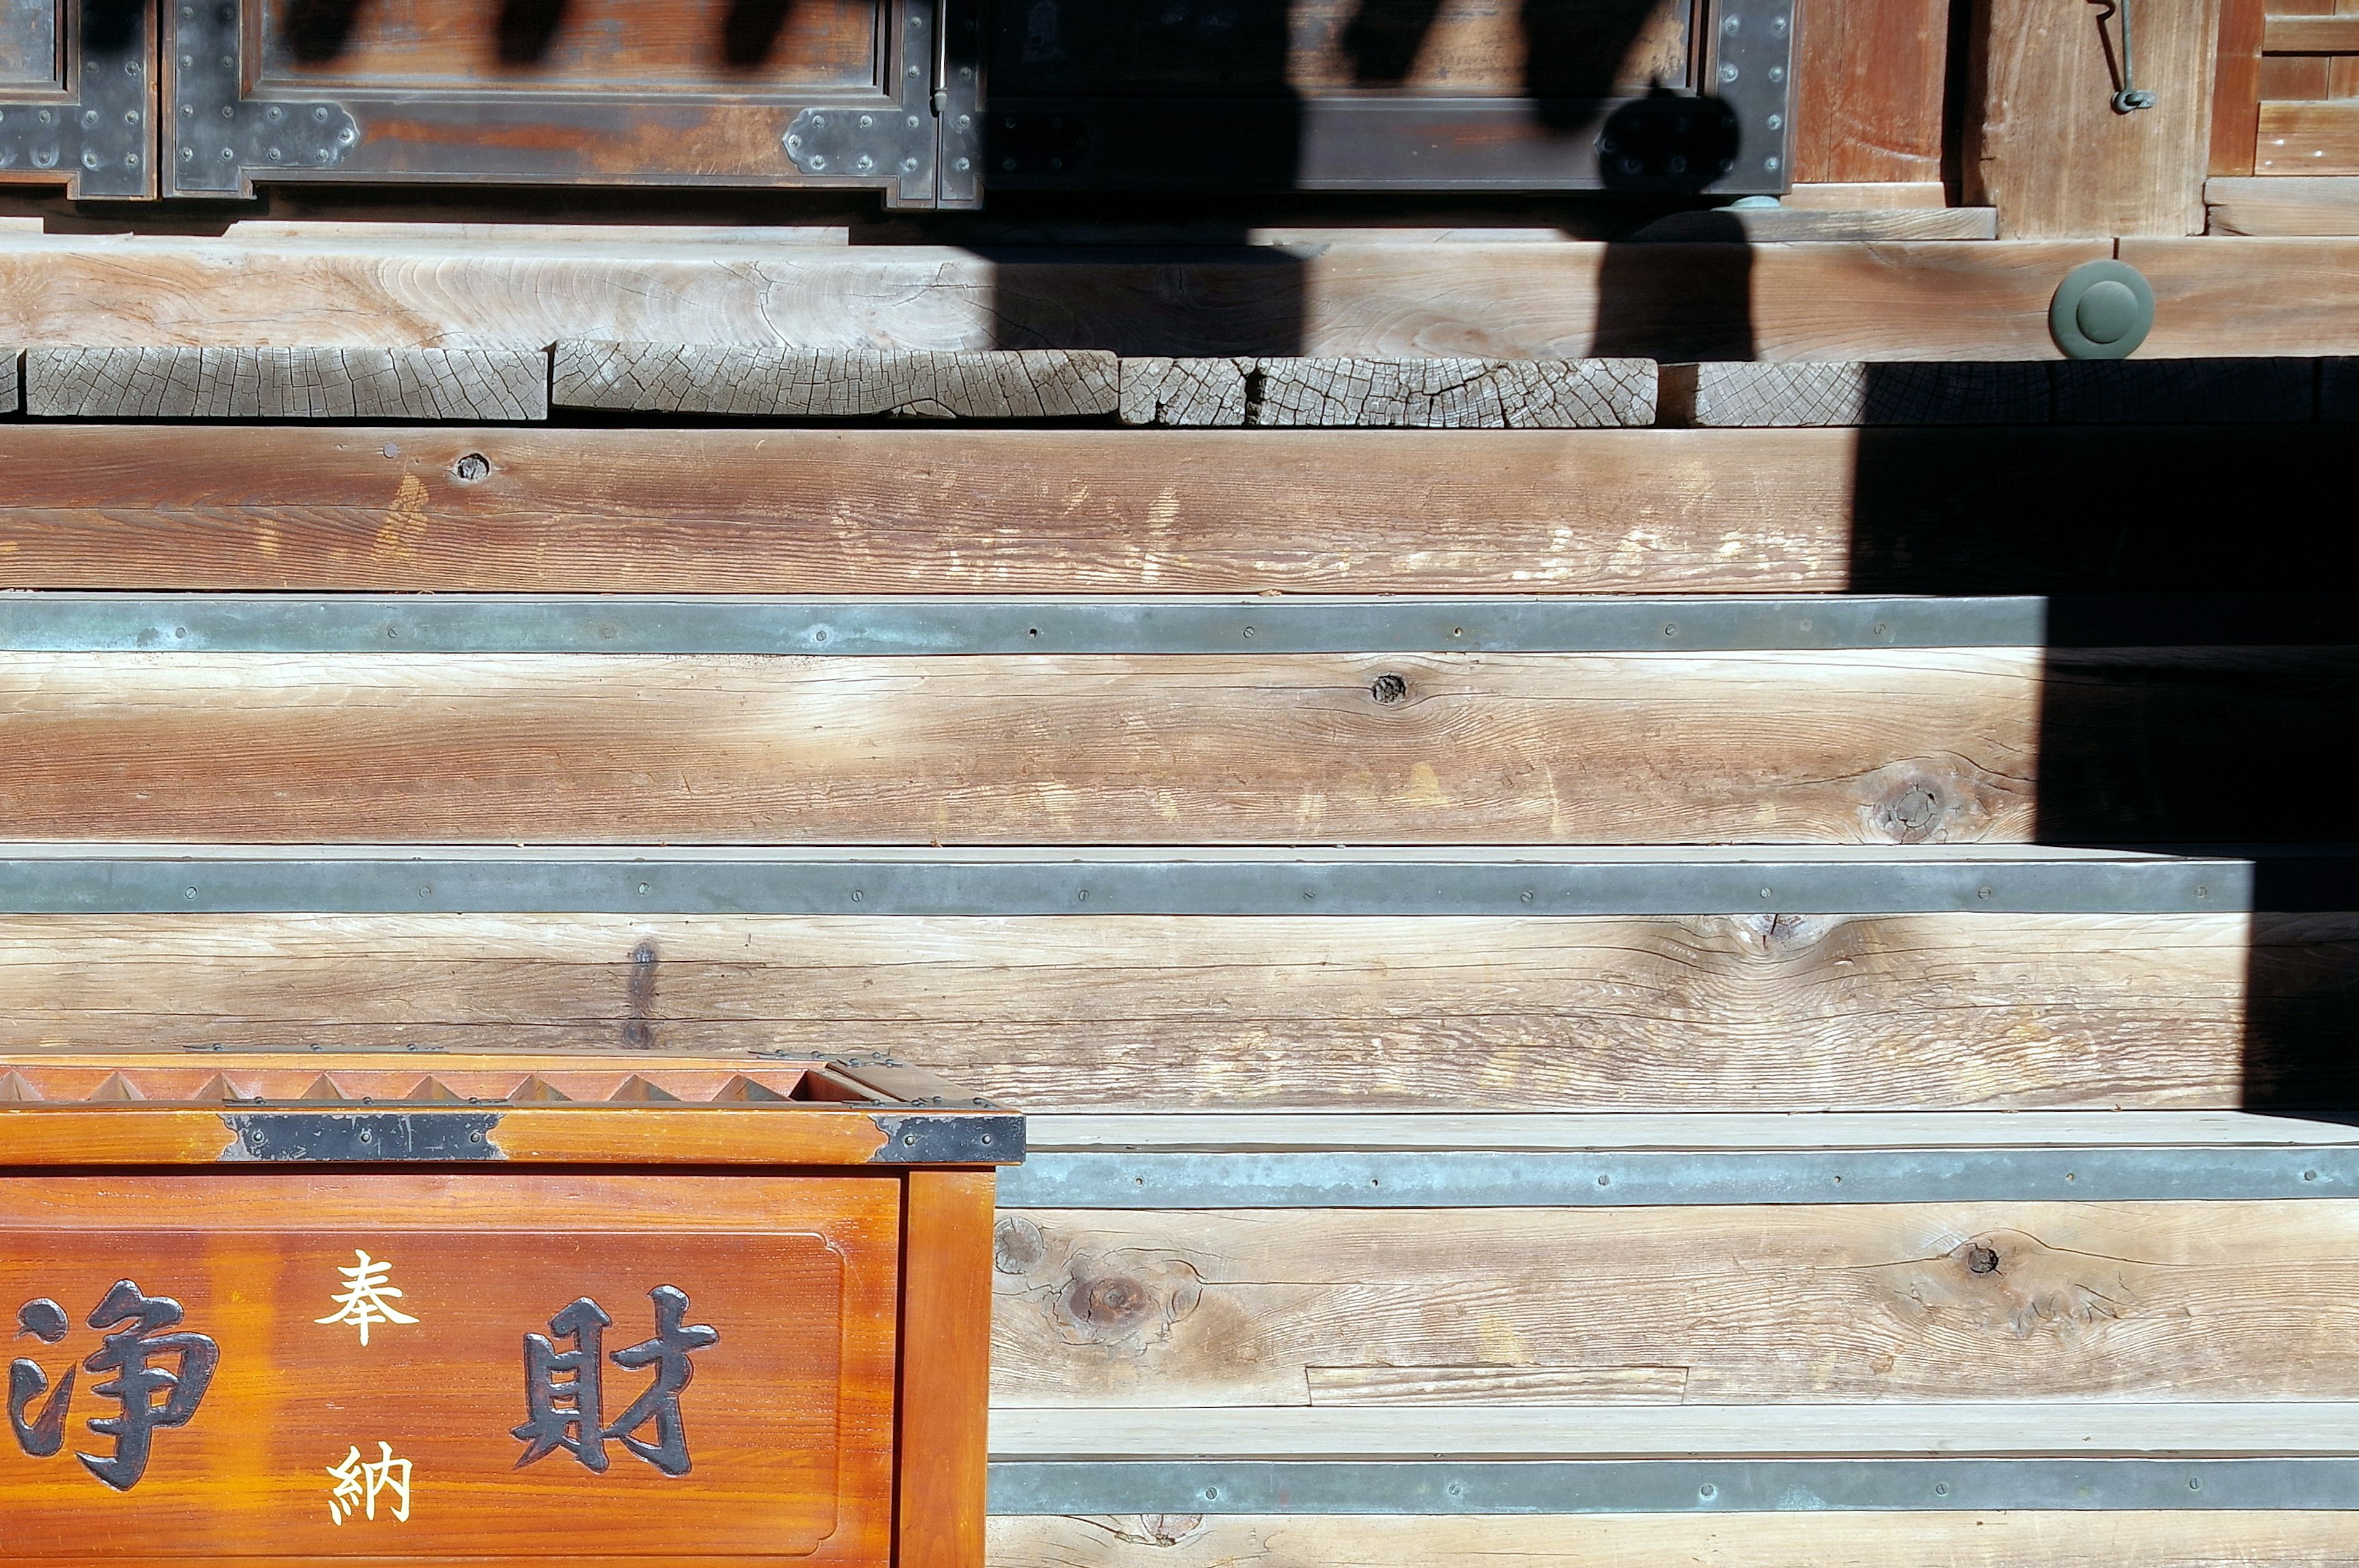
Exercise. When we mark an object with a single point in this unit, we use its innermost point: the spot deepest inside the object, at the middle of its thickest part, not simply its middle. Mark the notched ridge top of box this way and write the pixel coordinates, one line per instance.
(227, 1105)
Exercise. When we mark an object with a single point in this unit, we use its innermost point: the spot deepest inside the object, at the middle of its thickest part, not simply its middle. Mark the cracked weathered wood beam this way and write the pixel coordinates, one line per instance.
(424, 384)
(1390, 394)
(774, 382)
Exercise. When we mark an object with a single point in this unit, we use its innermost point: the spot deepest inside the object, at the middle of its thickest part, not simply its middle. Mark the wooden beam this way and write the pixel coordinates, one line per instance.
(525, 510)
(1917, 1313)
(2267, 296)
(2171, 1538)
(777, 383)
(1785, 1012)
(439, 385)
(1867, 98)
(2044, 143)
(1576, 301)
(2284, 204)
(1881, 745)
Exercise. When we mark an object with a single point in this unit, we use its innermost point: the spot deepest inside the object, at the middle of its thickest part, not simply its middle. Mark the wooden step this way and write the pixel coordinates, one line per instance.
(1686, 1532)
(953, 510)
(1291, 720)
(1972, 976)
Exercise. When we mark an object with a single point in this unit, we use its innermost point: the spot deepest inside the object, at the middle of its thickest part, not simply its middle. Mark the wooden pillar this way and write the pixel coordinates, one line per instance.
(2046, 147)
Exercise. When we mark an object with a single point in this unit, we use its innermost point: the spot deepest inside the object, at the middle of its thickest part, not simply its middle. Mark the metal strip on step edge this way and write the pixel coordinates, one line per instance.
(135, 884)
(1666, 1485)
(1638, 1178)
(508, 623)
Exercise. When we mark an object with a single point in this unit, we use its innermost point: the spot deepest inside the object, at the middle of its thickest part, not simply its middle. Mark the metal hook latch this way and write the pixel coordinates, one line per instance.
(2132, 97)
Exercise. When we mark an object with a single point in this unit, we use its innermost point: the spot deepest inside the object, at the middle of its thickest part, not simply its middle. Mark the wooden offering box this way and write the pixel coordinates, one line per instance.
(445, 1309)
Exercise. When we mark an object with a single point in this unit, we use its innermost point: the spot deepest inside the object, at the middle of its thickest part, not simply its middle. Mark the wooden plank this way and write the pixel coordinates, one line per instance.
(770, 383)
(1358, 1131)
(2281, 204)
(1576, 301)
(2175, 1538)
(1869, 87)
(1430, 394)
(2275, 296)
(945, 1387)
(1776, 225)
(1922, 1314)
(1859, 195)
(953, 510)
(1870, 746)
(2236, 92)
(1738, 394)
(2213, 1429)
(925, 511)
(1784, 1012)
(2315, 138)
(2312, 35)
(2235, 392)
(445, 386)
(2043, 141)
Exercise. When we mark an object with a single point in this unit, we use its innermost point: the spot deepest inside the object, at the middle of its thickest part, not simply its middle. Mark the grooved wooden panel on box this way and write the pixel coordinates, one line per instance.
(1740, 1305)
(1875, 746)
(2175, 1538)
(1787, 1011)
(2044, 143)
(809, 383)
(1934, 301)
(1867, 100)
(2309, 138)
(446, 386)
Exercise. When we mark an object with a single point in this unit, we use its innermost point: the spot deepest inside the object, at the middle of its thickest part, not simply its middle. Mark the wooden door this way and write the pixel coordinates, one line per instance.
(77, 96)
(1390, 94)
(662, 92)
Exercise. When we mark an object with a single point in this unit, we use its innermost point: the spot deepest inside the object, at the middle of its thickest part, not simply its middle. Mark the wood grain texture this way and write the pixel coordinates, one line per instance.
(1867, 91)
(1450, 393)
(788, 1420)
(12, 363)
(2175, 1538)
(2312, 35)
(2236, 89)
(934, 510)
(1876, 1303)
(951, 510)
(810, 383)
(945, 1386)
(2043, 141)
(2321, 138)
(2291, 296)
(1576, 301)
(1788, 224)
(1184, 393)
(2278, 204)
(1872, 746)
(436, 384)
(1784, 1012)
(2266, 1429)
(1740, 395)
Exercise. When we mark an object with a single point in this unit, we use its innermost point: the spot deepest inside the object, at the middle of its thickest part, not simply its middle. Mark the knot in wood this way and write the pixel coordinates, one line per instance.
(1982, 1260)
(472, 467)
(1389, 689)
(1109, 1301)
(1017, 1246)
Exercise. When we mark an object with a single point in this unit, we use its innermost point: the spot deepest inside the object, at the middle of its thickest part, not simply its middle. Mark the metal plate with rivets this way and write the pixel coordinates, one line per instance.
(221, 140)
(95, 142)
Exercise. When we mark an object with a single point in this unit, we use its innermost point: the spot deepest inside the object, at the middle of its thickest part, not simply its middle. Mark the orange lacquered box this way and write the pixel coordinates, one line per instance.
(451, 1308)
